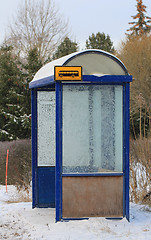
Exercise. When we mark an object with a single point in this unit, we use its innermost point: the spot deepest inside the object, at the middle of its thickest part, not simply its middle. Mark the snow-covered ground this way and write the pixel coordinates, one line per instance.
(19, 221)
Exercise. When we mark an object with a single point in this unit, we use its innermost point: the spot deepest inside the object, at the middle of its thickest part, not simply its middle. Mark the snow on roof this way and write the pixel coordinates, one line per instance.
(48, 69)
(94, 62)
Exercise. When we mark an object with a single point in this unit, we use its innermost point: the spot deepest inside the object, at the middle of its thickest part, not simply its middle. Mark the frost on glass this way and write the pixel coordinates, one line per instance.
(75, 115)
(92, 128)
(46, 128)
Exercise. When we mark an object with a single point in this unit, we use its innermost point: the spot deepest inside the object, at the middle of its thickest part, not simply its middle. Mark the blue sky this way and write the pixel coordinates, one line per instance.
(85, 17)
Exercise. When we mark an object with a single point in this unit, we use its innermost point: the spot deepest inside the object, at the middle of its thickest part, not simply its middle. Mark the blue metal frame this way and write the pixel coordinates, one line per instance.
(38, 172)
(34, 145)
(126, 114)
(92, 174)
(124, 134)
(127, 131)
(106, 79)
(58, 151)
(112, 80)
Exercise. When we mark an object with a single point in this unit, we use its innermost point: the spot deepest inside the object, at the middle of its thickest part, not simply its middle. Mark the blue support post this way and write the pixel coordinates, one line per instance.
(127, 105)
(124, 146)
(34, 145)
(58, 151)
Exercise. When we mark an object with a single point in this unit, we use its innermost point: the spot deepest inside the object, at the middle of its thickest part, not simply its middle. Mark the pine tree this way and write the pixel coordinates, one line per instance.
(65, 48)
(100, 41)
(10, 95)
(32, 64)
(141, 26)
(15, 103)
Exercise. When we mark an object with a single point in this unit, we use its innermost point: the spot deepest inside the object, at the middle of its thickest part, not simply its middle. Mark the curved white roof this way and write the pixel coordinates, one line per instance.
(93, 62)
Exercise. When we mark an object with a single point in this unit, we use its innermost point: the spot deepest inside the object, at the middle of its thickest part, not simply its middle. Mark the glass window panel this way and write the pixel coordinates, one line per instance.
(75, 115)
(97, 64)
(92, 128)
(46, 128)
(118, 128)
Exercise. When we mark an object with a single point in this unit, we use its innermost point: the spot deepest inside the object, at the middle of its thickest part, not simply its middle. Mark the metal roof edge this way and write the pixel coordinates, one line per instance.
(42, 82)
(108, 78)
(86, 78)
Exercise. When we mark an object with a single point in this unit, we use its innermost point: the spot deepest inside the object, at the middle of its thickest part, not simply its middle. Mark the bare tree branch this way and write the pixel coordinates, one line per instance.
(37, 24)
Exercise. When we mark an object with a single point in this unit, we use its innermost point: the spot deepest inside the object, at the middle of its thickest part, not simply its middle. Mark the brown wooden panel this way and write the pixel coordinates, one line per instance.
(92, 196)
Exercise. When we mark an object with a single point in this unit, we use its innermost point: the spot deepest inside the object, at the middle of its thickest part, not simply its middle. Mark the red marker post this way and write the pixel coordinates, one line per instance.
(6, 169)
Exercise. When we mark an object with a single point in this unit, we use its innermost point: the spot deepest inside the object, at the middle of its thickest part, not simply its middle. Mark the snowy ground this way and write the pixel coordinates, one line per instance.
(19, 221)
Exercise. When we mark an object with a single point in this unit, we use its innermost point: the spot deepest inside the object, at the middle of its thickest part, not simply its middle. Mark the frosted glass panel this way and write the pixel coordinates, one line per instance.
(46, 128)
(119, 128)
(75, 122)
(92, 128)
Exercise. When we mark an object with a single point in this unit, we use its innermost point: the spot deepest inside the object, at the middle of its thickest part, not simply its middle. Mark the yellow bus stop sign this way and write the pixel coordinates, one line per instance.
(68, 73)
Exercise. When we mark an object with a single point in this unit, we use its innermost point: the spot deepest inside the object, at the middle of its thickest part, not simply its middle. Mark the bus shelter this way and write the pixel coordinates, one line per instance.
(80, 136)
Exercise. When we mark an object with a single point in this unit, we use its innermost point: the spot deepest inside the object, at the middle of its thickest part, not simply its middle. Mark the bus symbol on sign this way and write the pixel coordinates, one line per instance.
(68, 73)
